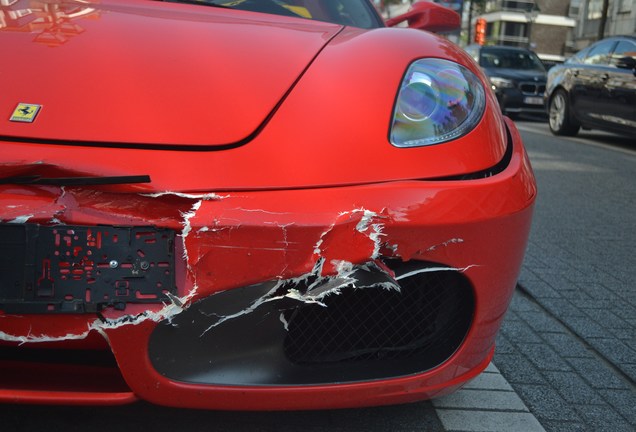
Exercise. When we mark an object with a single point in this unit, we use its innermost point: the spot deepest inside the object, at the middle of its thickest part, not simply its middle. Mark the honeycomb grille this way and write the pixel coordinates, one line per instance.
(427, 318)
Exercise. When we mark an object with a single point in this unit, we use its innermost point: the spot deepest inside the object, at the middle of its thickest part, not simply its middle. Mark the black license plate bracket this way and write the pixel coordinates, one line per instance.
(84, 269)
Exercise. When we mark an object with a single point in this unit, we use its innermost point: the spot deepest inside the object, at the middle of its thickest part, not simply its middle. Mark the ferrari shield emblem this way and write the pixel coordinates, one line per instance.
(25, 112)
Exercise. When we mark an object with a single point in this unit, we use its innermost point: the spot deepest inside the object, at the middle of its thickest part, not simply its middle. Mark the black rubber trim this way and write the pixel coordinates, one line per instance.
(75, 181)
(485, 173)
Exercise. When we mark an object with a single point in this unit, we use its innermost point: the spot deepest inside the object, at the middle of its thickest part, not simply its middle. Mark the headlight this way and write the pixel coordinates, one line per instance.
(501, 82)
(438, 101)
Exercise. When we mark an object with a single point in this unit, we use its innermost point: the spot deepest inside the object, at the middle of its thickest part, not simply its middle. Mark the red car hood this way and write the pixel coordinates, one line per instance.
(151, 73)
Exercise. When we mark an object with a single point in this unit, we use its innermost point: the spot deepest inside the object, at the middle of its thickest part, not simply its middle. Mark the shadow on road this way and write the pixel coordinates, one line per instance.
(141, 417)
(539, 124)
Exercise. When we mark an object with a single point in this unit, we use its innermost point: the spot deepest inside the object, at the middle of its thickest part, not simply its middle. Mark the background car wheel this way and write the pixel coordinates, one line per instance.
(559, 112)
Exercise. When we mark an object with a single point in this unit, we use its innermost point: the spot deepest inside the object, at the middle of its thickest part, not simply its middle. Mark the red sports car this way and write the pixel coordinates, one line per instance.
(250, 204)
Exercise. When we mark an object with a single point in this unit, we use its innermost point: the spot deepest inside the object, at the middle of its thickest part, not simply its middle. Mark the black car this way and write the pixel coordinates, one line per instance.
(595, 89)
(516, 75)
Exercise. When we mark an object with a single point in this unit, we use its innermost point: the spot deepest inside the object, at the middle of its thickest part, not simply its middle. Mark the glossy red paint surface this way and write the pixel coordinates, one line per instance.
(360, 64)
(319, 180)
(275, 235)
(169, 73)
(428, 16)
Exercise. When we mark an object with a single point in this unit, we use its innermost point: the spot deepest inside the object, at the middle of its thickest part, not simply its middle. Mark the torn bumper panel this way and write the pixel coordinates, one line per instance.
(255, 273)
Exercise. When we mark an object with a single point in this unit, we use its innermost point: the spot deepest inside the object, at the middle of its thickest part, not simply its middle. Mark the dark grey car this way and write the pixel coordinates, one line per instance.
(595, 89)
(516, 75)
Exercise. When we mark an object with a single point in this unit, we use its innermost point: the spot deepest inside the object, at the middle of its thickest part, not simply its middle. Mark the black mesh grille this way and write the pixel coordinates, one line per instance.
(430, 314)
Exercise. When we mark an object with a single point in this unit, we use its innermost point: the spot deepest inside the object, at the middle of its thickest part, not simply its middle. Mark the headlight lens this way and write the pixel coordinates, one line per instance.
(501, 82)
(438, 101)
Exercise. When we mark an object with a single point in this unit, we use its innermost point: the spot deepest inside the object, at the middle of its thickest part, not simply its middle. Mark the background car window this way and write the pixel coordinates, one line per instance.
(346, 12)
(510, 59)
(352, 12)
(599, 54)
(624, 50)
(579, 56)
(489, 60)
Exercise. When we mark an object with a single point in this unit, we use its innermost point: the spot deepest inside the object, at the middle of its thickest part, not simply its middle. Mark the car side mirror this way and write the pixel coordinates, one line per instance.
(626, 63)
(428, 16)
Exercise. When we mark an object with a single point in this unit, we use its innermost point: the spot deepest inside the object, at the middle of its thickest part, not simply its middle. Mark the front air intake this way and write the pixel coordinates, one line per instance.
(379, 321)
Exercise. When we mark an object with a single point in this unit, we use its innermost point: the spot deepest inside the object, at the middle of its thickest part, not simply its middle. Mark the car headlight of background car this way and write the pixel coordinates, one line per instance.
(438, 101)
(498, 82)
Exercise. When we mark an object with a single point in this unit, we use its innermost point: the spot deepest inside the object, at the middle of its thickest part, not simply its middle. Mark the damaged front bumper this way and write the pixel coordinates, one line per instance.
(318, 298)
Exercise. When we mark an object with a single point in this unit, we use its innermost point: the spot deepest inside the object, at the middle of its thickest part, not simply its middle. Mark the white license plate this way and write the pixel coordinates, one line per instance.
(533, 100)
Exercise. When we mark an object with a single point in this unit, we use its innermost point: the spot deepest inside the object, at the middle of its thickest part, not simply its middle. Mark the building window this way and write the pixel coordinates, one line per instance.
(625, 6)
(575, 8)
(595, 9)
(518, 5)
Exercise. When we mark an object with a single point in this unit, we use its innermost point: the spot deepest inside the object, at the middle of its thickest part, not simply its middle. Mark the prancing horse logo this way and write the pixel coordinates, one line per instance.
(25, 112)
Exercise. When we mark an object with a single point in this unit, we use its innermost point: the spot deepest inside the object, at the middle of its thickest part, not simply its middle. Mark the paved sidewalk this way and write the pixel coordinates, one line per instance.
(580, 263)
(568, 343)
(566, 385)
(486, 404)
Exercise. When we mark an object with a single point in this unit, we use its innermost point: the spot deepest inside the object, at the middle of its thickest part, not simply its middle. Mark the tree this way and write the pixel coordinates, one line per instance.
(601, 27)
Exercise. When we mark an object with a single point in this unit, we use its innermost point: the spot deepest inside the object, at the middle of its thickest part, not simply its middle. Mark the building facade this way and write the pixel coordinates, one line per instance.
(542, 25)
(621, 20)
(555, 29)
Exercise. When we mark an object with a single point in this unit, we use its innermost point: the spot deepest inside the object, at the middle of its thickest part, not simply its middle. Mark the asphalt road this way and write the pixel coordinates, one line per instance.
(568, 345)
